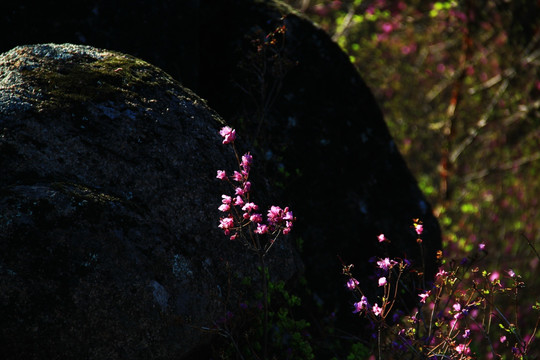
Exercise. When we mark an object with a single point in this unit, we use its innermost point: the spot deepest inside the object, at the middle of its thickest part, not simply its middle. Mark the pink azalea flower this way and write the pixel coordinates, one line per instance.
(387, 27)
(419, 228)
(274, 214)
(224, 207)
(441, 273)
(382, 238)
(463, 349)
(481, 247)
(221, 174)
(288, 215)
(466, 333)
(234, 236)
(361, 305)
(238, 176)
(247, 187)
(228, 134)
(239, 191)
(511, 273)
(238, 201)
(503, 339)
(352, 283)
(376, 310)
(386, 264)
(249, 207)
(226, 199)
(256, 218)
(424, 296)
(247, 159)
(261, 229)
(226, 224)
(382, 281)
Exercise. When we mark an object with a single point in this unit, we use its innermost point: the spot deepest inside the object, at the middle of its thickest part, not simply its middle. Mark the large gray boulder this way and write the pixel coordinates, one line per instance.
(109, 246)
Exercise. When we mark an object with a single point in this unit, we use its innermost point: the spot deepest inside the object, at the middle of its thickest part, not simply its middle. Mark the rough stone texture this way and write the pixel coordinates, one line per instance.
(323, 135)
(109, 246)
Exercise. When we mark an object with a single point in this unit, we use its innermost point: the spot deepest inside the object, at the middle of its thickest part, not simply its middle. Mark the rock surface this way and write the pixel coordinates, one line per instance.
(109, 246)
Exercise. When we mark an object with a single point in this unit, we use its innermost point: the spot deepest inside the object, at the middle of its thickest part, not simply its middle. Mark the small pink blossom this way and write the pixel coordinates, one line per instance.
(376, 310)
(247, 187)
(352, 283)
(419, 228)
(234, 236)
(503, 339)
(382, 238)
(288, 228)
(247, 159)
(424, 296)
(256, 218)
(224, 207)
(261, 229)
(238, 176)
(250, 206)
(494, 276)
(238, 201)
(288, 215)
(387, 27)
(239, 191)
(226, 224)
(226, 199)
(466, 333)
(228, 134)
(511, 273)
(275, 214)
(361, 305)
(441, 273)
(386, 264)
(221, 174)
(382, 281)
(463, 349)
(481, 246)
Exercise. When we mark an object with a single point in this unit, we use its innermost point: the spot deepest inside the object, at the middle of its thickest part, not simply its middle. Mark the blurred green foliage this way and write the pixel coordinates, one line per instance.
(459, 84)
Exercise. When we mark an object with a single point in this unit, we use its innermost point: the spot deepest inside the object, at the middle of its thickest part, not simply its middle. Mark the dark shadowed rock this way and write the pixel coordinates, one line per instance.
(109, 246)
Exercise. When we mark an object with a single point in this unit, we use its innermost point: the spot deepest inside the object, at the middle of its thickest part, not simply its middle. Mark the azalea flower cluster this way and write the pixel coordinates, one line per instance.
(241, 212)
(450, 315)
(386, 266)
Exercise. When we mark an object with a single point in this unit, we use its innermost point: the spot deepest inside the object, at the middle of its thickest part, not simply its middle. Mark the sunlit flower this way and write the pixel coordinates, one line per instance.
(386, 264)
(224, 207)
(361, 305)
(382, 281)
(511, 273)
(424, 296)
(228, 134)
(261, 229)
(463, 349)
(221, 174)
(376, 310)
(352, 283)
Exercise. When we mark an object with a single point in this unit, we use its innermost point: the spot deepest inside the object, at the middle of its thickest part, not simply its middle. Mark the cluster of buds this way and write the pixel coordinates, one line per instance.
(240, 211)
